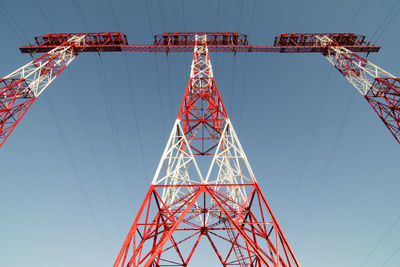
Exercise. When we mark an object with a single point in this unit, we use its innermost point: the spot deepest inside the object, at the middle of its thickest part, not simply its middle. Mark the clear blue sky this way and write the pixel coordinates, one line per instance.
(75, 170)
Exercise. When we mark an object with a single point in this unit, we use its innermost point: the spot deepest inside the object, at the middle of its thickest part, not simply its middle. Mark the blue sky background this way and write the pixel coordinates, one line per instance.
(75, 170)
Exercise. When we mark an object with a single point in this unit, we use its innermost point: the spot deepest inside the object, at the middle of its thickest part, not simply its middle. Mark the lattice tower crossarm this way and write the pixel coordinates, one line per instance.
(20, 89)
(225, 206)
(380, 88)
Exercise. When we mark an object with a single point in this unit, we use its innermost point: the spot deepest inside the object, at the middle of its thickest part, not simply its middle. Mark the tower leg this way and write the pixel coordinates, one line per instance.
(249, 230)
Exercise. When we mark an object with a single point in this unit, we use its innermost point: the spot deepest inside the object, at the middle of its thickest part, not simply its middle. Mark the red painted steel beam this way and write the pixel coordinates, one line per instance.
(93, 42)
(216, 42)
(307, 39)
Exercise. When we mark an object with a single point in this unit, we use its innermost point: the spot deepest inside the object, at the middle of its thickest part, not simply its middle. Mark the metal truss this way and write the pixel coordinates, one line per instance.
(240, 234)
(216, 42)
(20, 88)
(90, 42)
(230, 165)
(202, 110)
(225, 207)
(380, 88)
(177, 166)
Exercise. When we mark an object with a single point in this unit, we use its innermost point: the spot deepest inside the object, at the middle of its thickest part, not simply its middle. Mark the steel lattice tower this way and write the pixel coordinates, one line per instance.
(185, 203)
(223, 205)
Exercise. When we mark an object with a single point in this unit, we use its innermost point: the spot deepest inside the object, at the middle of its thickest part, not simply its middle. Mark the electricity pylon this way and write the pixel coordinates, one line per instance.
(223, 205)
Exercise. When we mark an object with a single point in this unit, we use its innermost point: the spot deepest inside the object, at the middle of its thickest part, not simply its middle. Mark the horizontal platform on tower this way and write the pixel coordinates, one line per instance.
(216, 42)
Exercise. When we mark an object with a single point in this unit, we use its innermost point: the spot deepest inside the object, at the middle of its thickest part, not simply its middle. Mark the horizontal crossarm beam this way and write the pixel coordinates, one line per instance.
(216, 42)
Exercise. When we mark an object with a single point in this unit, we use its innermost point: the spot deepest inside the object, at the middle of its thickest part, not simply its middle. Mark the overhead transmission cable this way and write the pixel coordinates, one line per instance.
(114, 132)
(157, 73)
(89, 138)
(183, 16)
(386, 20)
(240, 14)
(185, 56)
(62, 135)
(74, 168)
(168, 65)
(377, 245)
(44, 16)
(161, 15)
(355, 15)
(109, 110)
(391, 257)
(331, 154)
(332, 151)
(13, 24)
(113, 14)
(84, 122)
(314, 126)
(67, 147)
(243, 95)
(133, 105)
(81, 15)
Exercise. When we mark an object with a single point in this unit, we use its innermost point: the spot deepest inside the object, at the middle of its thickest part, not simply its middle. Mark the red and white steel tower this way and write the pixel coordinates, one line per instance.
(223, 204)
(187, 201)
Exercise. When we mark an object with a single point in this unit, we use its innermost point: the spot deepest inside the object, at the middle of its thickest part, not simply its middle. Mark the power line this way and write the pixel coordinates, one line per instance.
(388, 19)
(115, 135)
(358, 9)
(233, 82)
(81, 15)
(64, 141)
(90, 139)
(332, 151)
(159, 94)
(161, 15)
(157, 72)
(242, 102)
(242, 94)
(170, 87)
(113, 14)
(175, 15)
(240, 14)
(328, 163)
(135, 117)
(109, 109)
(44, 16)
(388, 22)
(148, 17)
(252, 17)
(86, 130)
(11, 22)
(136, 121)
(391, 256)
(395, 222)
(218, 10)
(168, 64)
(315, 124)
(77, 174)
